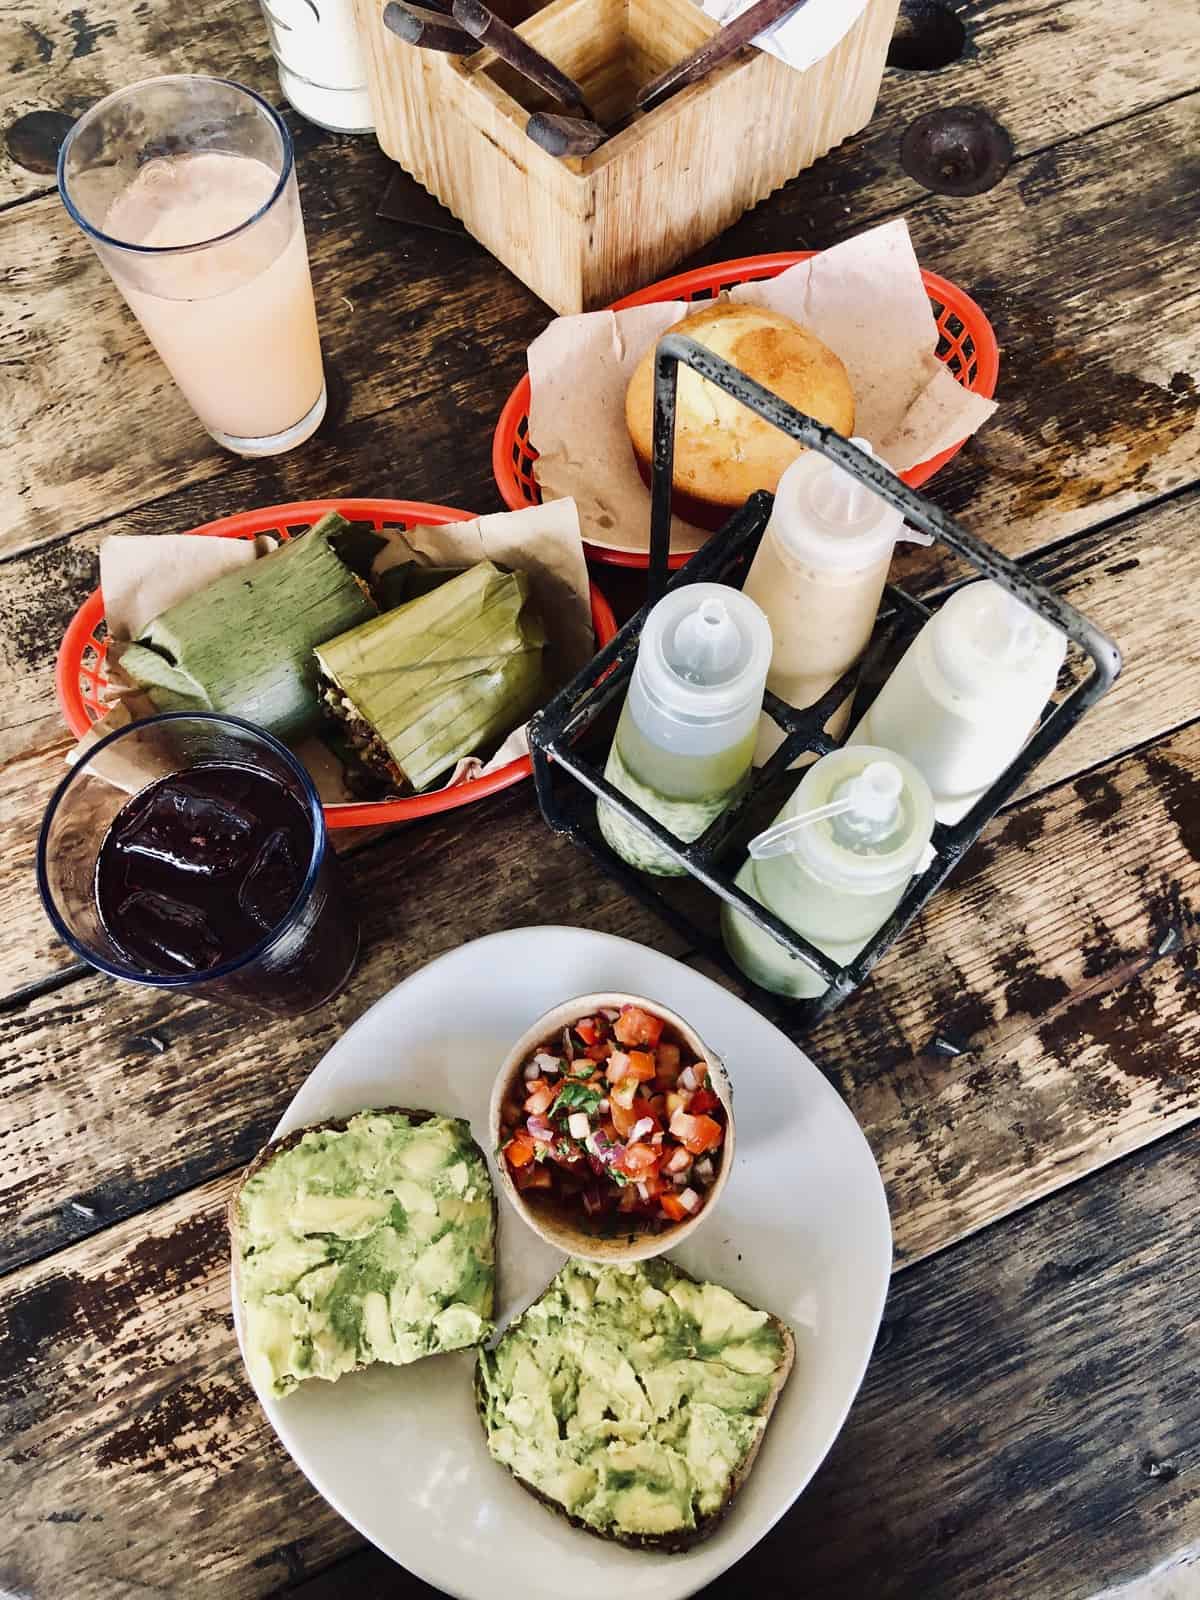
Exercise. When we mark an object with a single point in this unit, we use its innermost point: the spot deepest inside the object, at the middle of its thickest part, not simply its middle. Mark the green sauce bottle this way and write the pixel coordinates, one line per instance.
(686, 736)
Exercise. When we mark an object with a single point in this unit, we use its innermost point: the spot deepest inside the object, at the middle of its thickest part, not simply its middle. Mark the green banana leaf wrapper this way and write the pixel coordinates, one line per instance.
(443, 677)
(244, 644)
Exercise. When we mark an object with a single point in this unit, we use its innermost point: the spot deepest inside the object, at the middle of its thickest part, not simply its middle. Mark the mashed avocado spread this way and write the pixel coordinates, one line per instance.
(630, 1395)
(375, 1243)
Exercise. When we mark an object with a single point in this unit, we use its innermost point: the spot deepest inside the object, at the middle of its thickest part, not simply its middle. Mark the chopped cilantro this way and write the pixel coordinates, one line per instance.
(575, 1097)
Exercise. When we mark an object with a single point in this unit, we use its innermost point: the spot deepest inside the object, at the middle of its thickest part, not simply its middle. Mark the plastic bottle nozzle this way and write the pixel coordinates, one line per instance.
(866, 806)
(707, 642)
(838, 497)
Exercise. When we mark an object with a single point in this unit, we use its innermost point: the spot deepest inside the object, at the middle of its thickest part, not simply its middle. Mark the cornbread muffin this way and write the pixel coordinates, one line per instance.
(723, 452)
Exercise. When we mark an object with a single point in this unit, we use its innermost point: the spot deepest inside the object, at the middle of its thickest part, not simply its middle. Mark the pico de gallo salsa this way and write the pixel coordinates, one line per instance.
(614, 1118)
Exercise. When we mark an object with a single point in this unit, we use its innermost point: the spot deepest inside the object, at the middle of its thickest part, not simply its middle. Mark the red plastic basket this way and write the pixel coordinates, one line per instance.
(79, 674)
(966, 343)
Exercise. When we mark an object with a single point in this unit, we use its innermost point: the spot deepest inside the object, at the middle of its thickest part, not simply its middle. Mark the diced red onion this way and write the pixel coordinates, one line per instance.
(605, 1149)
(568, 1047)
(531, 1071)
(548, 1066)
(593, 1199)
(704, 1170)
(678, 1161)
(643, 1191)
(690, 1200)
(610, 1014)
(640, 1129)
(541, 1130)
(603, 1106)
(687, 1079)
(681, 1179)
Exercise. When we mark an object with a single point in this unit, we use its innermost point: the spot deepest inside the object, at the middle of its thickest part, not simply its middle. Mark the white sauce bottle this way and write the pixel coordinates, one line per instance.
(322, 68)
(833, 865)
(967, 693)
(685, 740)
(818, 574)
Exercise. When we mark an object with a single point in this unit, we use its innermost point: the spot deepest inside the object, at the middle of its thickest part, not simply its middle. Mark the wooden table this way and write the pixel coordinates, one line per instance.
(1028, 1427)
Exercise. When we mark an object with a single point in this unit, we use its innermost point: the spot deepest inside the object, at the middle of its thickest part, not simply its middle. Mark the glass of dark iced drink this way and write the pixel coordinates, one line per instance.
(188, 851)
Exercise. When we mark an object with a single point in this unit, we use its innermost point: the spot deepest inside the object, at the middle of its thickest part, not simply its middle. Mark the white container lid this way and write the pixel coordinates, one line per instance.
(872, 824)
(704, 654)
(987, 645)
(827, 519)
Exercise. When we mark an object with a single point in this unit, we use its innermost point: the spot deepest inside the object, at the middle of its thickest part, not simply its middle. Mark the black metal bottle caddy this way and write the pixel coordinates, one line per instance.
(568, 784)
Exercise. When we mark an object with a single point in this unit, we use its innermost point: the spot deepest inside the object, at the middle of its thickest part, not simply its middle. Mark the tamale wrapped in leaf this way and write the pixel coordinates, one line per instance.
(244, 643)
(441, 678)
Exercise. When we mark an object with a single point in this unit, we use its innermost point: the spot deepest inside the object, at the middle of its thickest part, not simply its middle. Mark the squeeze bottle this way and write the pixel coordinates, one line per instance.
(833, 865)
(685, 739)
(818, 574)
(967, 693)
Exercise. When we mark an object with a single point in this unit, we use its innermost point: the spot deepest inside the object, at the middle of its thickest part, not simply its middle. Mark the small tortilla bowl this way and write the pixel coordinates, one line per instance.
(610, 1238)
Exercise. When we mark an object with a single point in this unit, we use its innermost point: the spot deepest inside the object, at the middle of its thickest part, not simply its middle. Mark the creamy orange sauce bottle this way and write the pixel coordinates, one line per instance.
(818, 575)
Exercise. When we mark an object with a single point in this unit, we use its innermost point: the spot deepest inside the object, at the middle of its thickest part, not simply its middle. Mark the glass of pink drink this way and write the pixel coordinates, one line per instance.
(186, 189)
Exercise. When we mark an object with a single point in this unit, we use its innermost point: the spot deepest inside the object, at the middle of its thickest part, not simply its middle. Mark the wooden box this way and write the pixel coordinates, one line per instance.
(582, 230)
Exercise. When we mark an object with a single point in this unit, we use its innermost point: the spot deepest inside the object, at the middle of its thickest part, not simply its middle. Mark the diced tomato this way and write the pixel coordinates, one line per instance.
(618, 1066)
(703, 1100)
(624, 1093)
(671, 1207)
(624, 1118)
(535, 1176)
(639, 1158)
(641, 1066)
(696, 1134)
(519, 1150)
(540, 1098)
(588, 1030)
(668, 1061)
(635, 1026)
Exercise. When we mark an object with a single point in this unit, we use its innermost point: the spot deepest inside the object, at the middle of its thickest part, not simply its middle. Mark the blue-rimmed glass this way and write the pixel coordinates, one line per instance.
(301, 963)
(185, 187)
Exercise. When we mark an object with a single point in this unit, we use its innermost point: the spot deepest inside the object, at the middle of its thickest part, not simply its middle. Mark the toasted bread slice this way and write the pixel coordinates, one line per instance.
(601, 1450)
(375, 1247)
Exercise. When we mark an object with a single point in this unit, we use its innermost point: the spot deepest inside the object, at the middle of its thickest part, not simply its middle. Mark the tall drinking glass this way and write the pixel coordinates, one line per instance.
(188, 852)
(186, 189)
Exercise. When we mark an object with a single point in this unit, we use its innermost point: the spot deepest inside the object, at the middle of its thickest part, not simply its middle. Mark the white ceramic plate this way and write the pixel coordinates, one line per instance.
(802, 1230)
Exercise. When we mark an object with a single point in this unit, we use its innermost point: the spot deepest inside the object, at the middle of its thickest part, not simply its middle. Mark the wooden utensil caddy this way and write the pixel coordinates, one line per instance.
(582, 230)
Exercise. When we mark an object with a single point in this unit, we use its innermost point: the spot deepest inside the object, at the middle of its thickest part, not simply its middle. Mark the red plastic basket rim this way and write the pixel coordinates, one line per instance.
(745, 269)
(272, 519)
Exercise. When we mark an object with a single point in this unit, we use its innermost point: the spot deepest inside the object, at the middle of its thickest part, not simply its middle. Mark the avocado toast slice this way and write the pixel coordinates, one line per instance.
(365, 1240)
(632, 1399)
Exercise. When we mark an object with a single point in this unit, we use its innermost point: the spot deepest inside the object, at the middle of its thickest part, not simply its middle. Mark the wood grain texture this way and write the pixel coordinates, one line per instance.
(1026, 1429)
(64, 60)
(109, 1085)
(1060, 961)
(1089, 382)
(580, 232)
(1136, 580)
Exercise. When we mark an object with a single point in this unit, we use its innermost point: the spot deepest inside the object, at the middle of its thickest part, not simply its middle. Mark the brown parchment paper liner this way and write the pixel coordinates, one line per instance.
(863, 298)
(142, 574)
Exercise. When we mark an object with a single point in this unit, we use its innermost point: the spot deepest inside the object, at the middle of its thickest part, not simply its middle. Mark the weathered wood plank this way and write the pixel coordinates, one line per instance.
(1039, 961)
(60, 61)
(1023, 1430)
(1091, 353)
(1137, 580)
(115, 1096)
